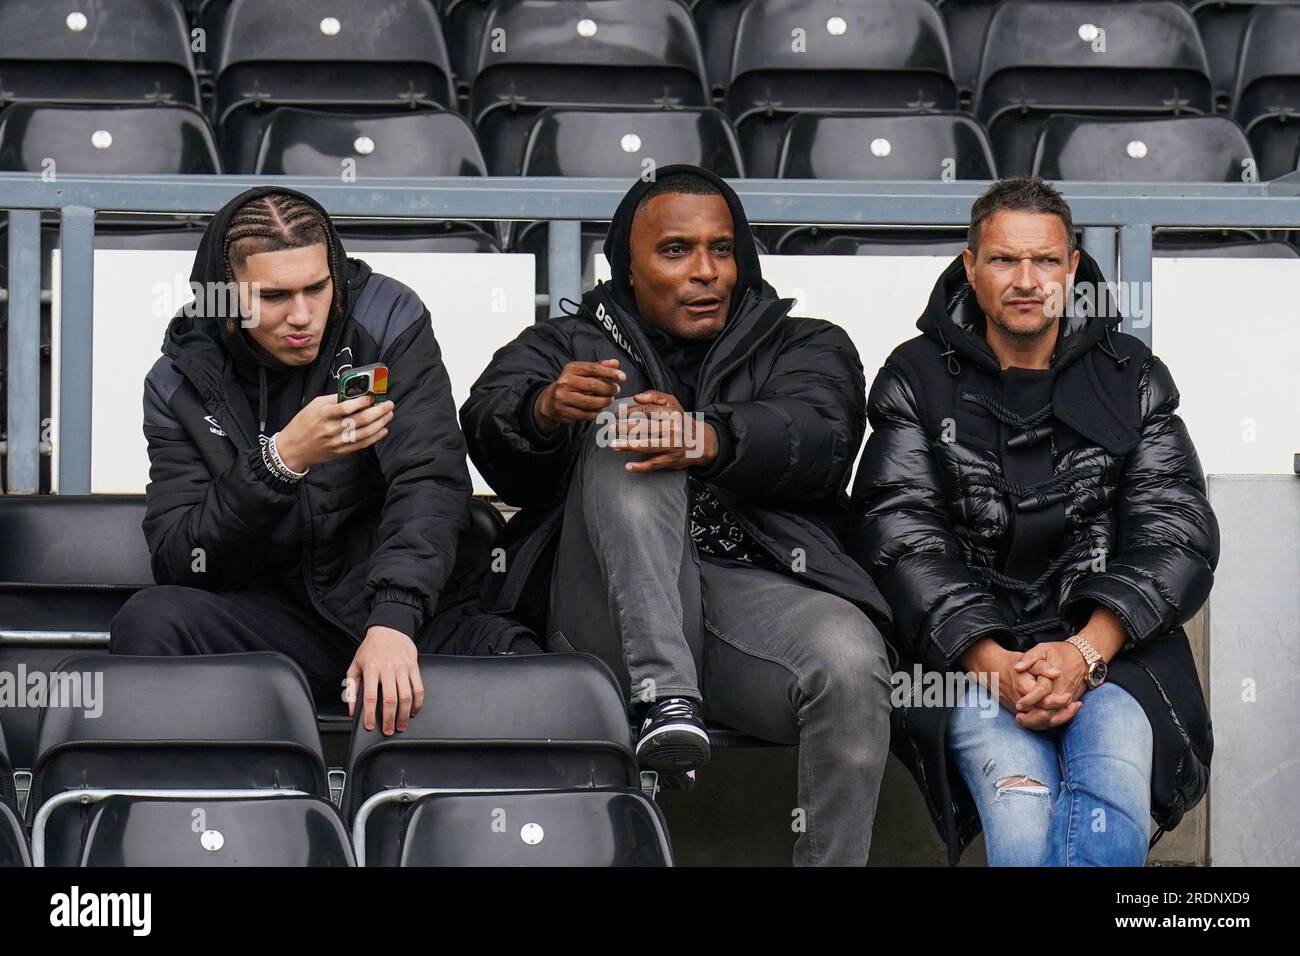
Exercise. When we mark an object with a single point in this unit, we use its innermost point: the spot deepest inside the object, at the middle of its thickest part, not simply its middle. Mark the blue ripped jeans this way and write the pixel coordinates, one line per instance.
(1077, 795)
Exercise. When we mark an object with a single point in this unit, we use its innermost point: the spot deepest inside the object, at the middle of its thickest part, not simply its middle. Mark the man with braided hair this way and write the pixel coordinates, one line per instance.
(279, 518)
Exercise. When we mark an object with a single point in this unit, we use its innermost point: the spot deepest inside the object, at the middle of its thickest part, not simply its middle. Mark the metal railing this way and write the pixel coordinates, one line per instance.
(1117, 221)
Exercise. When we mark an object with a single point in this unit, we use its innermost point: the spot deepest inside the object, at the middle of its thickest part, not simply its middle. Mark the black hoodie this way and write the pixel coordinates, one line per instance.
(366, 539)
(785, 395)
(681, 358)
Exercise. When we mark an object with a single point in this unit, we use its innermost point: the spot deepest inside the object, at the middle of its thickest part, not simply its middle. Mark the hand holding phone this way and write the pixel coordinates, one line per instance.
(331, 426)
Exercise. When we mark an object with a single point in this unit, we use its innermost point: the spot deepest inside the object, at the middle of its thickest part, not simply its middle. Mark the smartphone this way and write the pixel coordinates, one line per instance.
(365, 380)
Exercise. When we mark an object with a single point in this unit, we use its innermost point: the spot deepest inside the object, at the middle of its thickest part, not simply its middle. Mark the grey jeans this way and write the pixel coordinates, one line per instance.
(769, 655)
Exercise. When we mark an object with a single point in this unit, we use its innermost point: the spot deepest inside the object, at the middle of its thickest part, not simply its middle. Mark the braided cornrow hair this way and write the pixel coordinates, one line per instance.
(272, 222)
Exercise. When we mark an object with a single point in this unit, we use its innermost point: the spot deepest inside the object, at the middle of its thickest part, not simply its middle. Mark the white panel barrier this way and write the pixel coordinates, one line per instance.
(1232, 348)
(1230, 334)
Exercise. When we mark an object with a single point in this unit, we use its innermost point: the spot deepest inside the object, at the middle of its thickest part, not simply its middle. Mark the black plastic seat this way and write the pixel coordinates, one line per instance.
(125, 831)
(1221, 23)
(832, 55)
(226, 734)
(13, 842)
(566, 828)
(70, 561)
(1158, 149)
(553, 722)
(574, 54)
(107, 139)
(1210, 149)
(876, 146)
(618, 143)
(69, 564)
(967, 21)
(716, 22)
(299, 142)
(385, 56)
(1266, 98)
(462, 25)
(127, 51)
(1094, 58)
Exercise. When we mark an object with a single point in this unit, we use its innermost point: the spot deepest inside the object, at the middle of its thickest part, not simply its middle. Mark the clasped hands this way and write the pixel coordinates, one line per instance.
(1044, 686)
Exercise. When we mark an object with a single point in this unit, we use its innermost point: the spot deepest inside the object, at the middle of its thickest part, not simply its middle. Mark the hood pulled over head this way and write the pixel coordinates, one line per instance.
(749, 277)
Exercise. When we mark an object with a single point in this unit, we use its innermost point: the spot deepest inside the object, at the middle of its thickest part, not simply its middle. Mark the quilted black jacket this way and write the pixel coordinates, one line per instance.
(1010, 504)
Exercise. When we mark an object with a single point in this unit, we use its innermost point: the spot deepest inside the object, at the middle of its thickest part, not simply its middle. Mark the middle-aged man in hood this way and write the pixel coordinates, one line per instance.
(697, 553)
(1033, 508)
(277, 517)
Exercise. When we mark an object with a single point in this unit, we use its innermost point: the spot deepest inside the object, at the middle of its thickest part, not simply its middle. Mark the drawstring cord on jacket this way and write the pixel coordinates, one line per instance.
(1109, 349)
(950, 355)
(576, 306)
(261, 401)
(1033, 497)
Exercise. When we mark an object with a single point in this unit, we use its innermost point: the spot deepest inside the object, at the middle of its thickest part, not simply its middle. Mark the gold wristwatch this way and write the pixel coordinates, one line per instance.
(1096, 666)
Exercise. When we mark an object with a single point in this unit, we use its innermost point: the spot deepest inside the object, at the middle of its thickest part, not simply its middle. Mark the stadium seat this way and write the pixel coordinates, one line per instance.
(618, 143)
(573, 54)
(121, 52)
(1208, 149)
(57, 595)
(194, 761)
(832, 55)
(1266, 99)
(506, 726)
(131, 140)
(1222, 23)
(13, 842)
(625, 142)
(586, 828)
(716, 21)
(298, 142)
(386, 57)
(1158, 149)
(462, 25)
(1109, 59)
(876, 146)
(966, 21)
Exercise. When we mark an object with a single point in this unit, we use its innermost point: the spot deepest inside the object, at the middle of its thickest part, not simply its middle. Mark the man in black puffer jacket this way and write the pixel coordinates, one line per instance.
(1035, 513)
(277, 517)
(701, 563)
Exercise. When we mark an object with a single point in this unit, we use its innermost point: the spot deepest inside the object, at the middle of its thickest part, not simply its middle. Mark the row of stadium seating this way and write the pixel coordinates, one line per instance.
(516, 58)
(113, 771)
(594, 141)
(217, 761)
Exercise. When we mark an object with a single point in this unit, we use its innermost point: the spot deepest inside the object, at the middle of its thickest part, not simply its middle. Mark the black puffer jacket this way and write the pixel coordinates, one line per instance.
(786, 395)
(1010, 504)
(366, 539)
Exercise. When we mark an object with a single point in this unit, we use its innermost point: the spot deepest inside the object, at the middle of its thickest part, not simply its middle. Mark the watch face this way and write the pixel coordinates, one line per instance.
(1097, 673)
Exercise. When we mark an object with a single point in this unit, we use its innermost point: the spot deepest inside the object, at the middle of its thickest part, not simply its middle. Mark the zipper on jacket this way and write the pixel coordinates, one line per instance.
(306, 564)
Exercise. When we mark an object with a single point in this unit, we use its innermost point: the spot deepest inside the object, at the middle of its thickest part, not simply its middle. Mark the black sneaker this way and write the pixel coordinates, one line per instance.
(673, 737)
